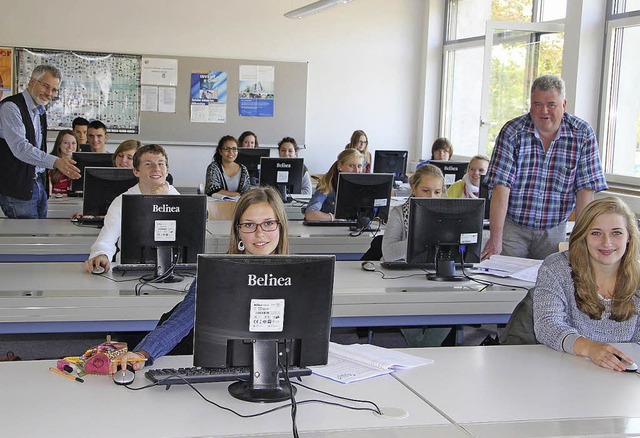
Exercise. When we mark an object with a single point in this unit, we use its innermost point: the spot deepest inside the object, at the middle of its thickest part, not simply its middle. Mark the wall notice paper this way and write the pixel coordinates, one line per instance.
(6, 79)
(157, 71)
(167, 99)
(351, 363)
(148, 98)
(208, 97)
(256, 90)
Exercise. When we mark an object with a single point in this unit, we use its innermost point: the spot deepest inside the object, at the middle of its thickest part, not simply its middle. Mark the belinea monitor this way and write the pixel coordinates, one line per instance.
(267, 312)
(446, 232)
(163, 230)
(452, 170)
(102, 185)
(283, 174)
(88, 159)
(363, 197)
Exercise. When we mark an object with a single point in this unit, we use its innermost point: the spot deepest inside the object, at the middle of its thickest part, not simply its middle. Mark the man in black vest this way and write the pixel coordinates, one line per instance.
(23, 147)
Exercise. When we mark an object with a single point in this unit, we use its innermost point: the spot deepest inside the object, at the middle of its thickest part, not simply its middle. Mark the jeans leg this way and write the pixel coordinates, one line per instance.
(15, 208)
(42, 200)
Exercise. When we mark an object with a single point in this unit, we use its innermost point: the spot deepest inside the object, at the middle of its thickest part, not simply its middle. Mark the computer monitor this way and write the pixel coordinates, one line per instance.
(270, 306)
(162, 230)
(484, 194)
(102, 185)
(452, 170)
(250, 158)
(439, 228)
(391, 162)
(89, 159)
(284, 174)
(363, 197)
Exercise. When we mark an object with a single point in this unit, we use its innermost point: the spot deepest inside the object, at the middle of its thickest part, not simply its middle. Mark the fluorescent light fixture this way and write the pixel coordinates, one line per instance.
(314, 8)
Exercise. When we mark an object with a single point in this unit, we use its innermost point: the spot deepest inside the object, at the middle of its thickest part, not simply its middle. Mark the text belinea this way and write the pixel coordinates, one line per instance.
(268, 280)
(165, 208)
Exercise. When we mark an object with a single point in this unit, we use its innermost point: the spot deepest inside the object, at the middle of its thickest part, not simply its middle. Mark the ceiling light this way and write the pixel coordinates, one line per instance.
(314, 8)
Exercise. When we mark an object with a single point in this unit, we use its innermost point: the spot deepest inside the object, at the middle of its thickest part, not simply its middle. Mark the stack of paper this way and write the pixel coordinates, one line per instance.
(514, 267)
(350, 363)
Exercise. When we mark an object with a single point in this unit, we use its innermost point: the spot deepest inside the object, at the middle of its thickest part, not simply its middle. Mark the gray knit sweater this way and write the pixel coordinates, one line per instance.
(556, 318)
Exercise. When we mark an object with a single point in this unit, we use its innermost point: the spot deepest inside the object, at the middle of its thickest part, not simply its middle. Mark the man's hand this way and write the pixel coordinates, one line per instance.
(493, 246)
(67, 167)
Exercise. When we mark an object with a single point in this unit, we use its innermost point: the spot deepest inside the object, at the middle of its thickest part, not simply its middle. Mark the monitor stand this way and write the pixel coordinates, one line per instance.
(165, 257)
(282, 189)
(264, 386)
(445, 268)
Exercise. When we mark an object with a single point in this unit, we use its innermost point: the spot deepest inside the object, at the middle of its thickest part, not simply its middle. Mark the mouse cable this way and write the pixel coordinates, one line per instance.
(268, 411)
(386, 277)
(285, 371)
(354, 400)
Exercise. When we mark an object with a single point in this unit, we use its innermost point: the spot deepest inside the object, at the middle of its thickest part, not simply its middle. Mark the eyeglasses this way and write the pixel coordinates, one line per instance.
(48, 87)
(252, 227)
(229, 149)
(363, 142)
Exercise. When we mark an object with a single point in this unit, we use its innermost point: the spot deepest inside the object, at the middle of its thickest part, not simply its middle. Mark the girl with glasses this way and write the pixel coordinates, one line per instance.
(360, 142)
(225, 176)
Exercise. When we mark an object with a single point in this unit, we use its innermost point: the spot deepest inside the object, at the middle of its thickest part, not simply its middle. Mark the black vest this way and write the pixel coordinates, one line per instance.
(16, 177)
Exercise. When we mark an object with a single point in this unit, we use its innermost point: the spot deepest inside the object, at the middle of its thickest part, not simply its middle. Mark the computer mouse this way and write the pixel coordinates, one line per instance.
(97, 270)
(124, 377)
(631, 367)
(368, 266)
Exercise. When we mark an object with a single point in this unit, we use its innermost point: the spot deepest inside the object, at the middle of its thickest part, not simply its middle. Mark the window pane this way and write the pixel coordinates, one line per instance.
(622, 6)
(467, 18)
(462, 103)
(554, 10)
(623, 133)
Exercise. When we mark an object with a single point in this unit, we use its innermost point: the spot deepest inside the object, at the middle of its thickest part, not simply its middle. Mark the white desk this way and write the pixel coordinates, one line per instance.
(61, 297)
(40, 403)
(528, 391)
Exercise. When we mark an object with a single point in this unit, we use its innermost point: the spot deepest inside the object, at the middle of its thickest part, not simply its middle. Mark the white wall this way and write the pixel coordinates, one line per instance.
(364, 58)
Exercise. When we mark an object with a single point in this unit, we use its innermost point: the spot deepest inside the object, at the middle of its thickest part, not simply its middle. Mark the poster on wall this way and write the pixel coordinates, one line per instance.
(6, 67)
(256, 91)
(96, 86)
(208, 97)
(159, 71)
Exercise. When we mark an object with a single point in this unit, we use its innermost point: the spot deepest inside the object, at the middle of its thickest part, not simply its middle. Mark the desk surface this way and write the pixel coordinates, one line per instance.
(528, 390)
(44, 404)
(54, 297)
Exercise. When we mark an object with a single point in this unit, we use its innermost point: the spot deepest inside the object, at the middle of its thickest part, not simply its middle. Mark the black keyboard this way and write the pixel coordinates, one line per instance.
(151, 267)
(401, 265)
(335, 223)
(88, 220)
(182, 376)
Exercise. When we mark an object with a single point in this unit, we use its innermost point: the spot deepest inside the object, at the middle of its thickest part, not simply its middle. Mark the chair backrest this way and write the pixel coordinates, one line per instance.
(221, 210)
(519, 328)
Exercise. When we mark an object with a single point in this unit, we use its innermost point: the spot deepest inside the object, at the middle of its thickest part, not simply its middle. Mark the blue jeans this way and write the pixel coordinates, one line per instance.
(34, 208)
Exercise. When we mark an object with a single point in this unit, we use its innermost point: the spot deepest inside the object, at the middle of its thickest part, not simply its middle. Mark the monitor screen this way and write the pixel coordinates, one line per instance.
(452, 170)
(363, 197)
(102, 185)
(89, 159)
(391, 162)
(250, 158)
(269, 303)
(439, 227)
(163, 230)
(284, 174)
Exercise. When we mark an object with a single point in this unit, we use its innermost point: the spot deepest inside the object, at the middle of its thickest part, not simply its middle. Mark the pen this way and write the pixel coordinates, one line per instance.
(133, 360)
(68, 376)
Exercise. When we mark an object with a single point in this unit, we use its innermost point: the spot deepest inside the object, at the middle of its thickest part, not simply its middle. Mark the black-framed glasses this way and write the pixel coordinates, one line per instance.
(252, 227)
(48, 87)
(229, 148)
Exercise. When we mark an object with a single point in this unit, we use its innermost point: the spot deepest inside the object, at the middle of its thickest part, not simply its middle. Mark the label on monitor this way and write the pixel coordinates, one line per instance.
(380, 202)
(449, 178)
(164, 231)
(282, 176)
(266, 315)
(468, 238)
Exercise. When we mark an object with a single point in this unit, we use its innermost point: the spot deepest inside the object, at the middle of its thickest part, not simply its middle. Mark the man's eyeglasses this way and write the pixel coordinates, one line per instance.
(252, 227)
(48, 87)
(229, 148)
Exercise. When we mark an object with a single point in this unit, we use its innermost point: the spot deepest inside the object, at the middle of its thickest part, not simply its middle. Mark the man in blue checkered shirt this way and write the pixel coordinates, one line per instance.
(544, 164)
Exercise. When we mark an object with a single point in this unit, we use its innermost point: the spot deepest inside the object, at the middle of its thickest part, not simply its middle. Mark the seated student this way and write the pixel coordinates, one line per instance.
(259, 227)
(66, 144)
(441, 150)
(150, 165)
(288, 148)
(224, 175)
(248, 140)
(123, 156)
(322, 205)
(97, 136)
(79, 127)
(427, 182)
(588, 297)
(469, 185)
(360, 141)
